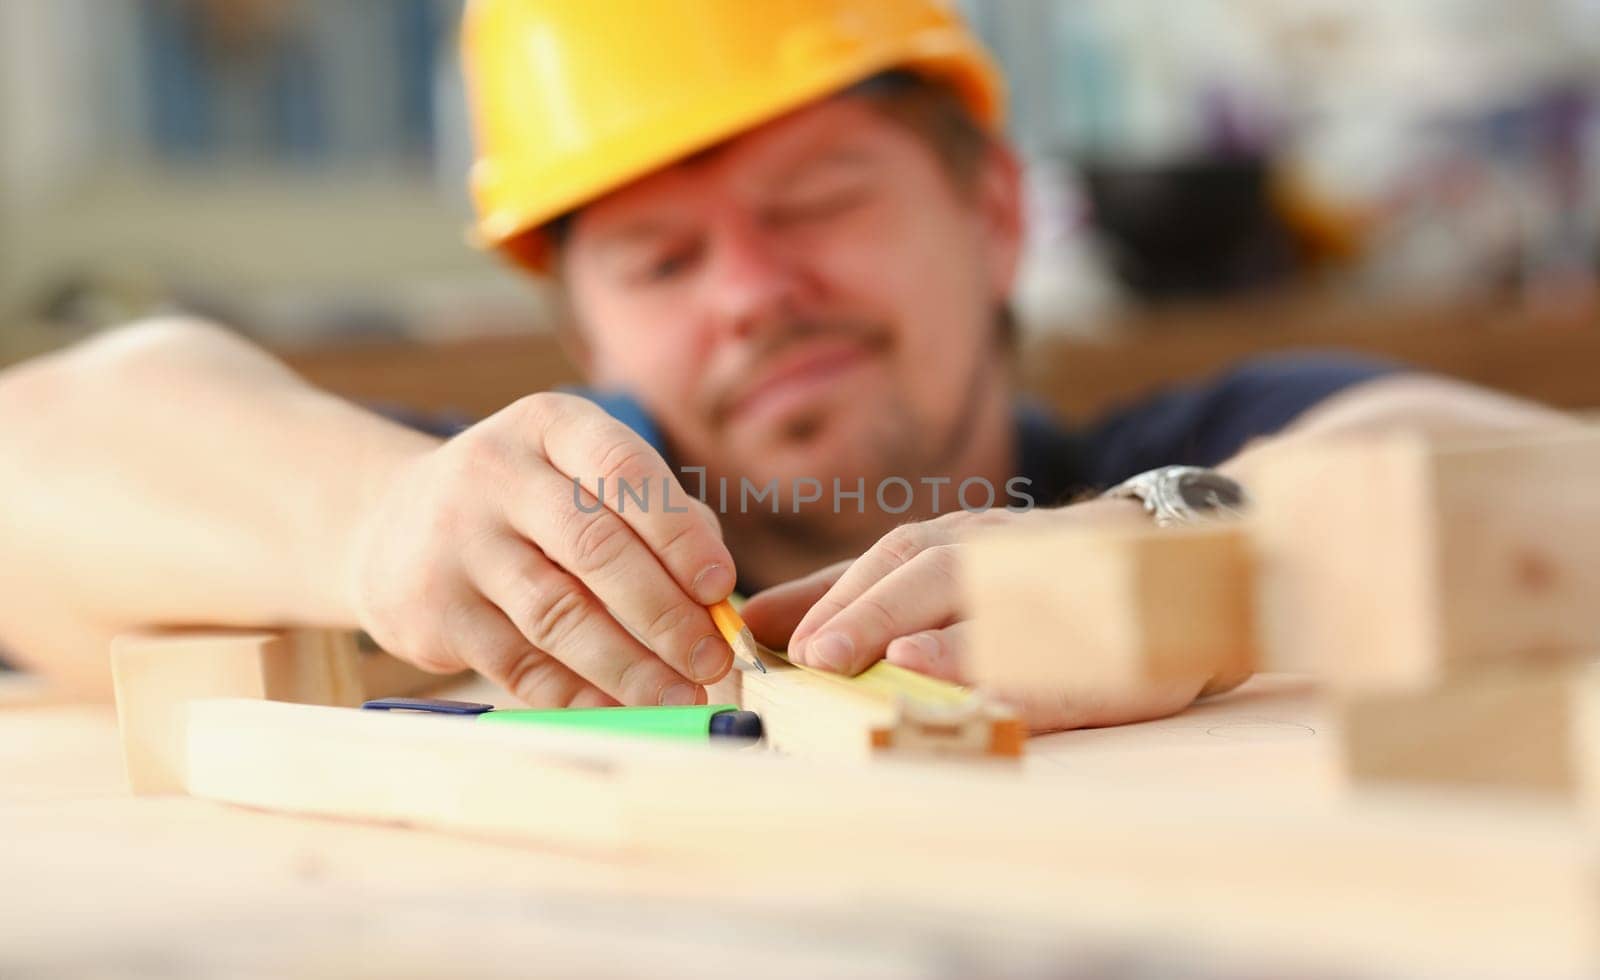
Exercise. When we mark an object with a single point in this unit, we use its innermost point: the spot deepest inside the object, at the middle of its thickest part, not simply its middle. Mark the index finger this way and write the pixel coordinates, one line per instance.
(628, 477)
(772, 614)
(892, 551)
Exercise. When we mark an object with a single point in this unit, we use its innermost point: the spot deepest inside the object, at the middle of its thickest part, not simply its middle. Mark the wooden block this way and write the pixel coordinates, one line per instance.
(155, 674)
(815, 714)
(1510, 729)
(324, 667)
(806, 716)
(1387, 562)
(1091, 611)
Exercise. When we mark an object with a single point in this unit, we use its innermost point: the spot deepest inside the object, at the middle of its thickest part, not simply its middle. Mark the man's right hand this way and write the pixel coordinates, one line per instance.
(477, 554)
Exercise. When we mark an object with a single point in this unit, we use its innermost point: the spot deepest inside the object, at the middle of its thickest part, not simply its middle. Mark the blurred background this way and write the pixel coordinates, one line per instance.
(1207, 178)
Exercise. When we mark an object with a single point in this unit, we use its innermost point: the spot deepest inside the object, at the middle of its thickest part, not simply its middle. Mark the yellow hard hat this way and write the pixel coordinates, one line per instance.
(574, 98)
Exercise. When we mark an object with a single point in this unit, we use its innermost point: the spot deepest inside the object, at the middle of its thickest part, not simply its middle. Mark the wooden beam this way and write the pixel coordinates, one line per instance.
(423, 770)
(1089, 612)
(323, 667)
(1524, 728)
(155, 673)
(1388, 562)
(1543, 355)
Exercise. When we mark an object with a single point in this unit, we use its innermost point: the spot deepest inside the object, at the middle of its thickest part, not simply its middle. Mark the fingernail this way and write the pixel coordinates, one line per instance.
(797, 645)
(830, 651)
(710, 658)
(802, 632)
(713, 584)
(678, 694)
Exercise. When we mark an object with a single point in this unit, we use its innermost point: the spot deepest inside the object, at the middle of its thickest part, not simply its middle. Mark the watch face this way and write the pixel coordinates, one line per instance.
(1203, 490)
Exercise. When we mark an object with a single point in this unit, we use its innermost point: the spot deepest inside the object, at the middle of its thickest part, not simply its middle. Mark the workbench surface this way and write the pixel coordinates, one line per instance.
(99, 882)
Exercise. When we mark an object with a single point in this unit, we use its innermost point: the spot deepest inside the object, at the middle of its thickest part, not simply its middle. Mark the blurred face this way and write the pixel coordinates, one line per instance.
(815, 298)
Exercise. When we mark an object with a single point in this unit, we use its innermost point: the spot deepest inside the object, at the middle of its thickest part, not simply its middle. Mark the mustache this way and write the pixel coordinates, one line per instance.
(776, 340)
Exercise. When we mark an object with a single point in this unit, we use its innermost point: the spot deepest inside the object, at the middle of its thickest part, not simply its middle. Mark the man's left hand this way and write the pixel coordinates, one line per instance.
(901, 601)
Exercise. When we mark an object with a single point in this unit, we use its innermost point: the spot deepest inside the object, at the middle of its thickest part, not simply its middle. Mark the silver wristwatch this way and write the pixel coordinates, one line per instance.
(1176, 495)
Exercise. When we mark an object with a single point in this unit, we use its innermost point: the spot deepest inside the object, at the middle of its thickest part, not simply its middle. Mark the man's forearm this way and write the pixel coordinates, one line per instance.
(172, 473)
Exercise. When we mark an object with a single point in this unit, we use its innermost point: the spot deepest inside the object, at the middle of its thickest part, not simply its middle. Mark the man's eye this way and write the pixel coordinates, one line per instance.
(819, 207)
(667, 266)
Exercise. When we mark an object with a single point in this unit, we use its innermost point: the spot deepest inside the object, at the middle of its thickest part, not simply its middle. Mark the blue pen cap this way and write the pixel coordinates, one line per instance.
(736, 724)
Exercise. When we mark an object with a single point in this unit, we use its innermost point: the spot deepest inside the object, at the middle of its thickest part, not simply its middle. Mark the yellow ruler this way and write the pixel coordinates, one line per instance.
(887, 681)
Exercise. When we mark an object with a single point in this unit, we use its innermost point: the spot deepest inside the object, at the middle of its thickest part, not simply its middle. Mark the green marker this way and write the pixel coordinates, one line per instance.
(692, 721)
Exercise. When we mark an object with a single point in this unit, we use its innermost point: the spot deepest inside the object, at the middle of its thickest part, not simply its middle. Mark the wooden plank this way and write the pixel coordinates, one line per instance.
(155, 673)
(1381, 881)
(466, 379)
(1388, 562)
(1544, 355)
(1506, 729)
(323, 667)
(1277, 734)
(431, 771)
(1083, 612)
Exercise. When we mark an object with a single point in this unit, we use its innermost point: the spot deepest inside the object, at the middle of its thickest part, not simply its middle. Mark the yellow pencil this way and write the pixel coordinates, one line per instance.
(733, 629)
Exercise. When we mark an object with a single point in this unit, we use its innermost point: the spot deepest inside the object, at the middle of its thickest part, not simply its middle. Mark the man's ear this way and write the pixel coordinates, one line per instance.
(1000, 209)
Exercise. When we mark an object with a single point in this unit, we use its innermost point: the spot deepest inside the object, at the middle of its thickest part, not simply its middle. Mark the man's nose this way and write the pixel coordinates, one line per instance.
(750, 281)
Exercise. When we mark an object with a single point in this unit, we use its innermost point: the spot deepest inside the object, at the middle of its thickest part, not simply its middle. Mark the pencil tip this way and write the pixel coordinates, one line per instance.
(744, 646)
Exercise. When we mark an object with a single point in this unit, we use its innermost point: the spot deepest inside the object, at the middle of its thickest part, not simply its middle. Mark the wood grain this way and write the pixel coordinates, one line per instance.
(1088, 613)
(1498, 729)
(1389, 561)
(155, 673)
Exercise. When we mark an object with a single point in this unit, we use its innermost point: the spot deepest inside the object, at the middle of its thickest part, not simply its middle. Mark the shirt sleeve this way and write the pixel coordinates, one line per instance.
(626, 409)
(1207, 423)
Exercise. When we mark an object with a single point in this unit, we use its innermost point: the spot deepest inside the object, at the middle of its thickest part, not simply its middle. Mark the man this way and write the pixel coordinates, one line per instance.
(787, 231)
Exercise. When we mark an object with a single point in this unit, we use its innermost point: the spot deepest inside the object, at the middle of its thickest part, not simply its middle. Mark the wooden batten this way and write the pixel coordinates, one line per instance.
(155, 673)
(1388, 563)
(1523, 728)
(1091, 612)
